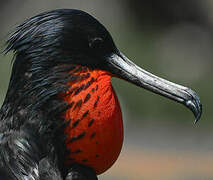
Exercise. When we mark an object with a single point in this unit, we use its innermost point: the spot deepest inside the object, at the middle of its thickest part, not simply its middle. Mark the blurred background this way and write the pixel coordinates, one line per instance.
(170, 38)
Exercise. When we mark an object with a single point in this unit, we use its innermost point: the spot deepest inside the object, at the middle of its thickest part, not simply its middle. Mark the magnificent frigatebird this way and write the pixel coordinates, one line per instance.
(61, 118)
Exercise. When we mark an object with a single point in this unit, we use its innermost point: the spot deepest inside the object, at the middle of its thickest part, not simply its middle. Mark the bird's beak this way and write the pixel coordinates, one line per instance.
(122, 67)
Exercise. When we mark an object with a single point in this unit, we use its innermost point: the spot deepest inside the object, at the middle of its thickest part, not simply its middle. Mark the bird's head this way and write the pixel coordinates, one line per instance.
(74, 37)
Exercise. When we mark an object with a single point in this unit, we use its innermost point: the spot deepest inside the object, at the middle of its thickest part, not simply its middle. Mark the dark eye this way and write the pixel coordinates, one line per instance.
(96, 43)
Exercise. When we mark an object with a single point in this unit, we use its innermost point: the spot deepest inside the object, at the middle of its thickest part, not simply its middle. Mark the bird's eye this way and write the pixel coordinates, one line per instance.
(96, 43)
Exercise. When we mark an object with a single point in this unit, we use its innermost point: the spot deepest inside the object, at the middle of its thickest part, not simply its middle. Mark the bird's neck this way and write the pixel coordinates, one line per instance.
(75, 102)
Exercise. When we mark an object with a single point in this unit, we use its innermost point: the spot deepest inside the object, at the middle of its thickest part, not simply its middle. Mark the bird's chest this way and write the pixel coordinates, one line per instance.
(95, 128)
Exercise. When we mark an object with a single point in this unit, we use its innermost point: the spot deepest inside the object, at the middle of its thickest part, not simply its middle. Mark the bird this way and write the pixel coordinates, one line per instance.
(61, 118)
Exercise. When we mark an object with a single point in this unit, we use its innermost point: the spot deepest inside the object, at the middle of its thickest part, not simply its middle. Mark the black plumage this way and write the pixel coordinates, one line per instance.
(46, 47)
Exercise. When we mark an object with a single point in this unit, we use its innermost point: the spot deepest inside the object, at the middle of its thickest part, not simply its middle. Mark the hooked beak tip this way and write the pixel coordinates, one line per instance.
(194, 104)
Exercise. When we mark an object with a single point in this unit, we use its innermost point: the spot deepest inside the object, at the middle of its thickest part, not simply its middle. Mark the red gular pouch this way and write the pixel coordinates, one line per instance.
(95, 131)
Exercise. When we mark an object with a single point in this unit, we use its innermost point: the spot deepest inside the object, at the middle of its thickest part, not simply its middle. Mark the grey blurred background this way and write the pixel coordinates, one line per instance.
(172, 39)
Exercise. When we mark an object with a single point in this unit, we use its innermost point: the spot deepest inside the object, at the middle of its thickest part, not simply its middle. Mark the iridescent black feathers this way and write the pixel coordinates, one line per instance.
(46, 47)
(60, 36)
